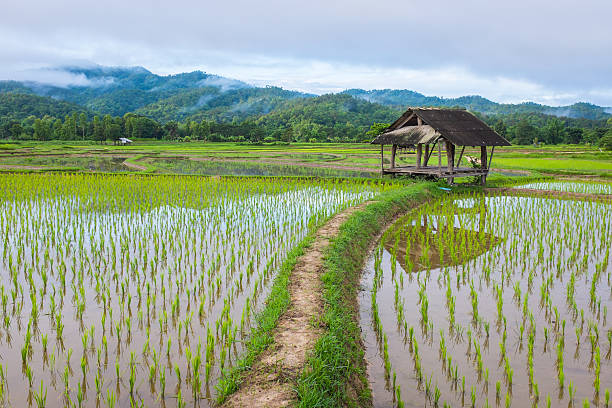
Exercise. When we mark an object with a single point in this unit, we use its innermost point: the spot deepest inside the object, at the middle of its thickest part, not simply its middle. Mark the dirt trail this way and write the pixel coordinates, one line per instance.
(134, 166)
(271, 381)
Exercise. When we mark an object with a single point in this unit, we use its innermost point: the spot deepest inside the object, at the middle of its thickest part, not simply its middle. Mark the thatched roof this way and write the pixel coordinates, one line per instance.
(455, 125)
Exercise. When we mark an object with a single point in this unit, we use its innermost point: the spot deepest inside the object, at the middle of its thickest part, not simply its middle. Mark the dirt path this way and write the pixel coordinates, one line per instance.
(21, 167)
(134, 166)
(271, 381)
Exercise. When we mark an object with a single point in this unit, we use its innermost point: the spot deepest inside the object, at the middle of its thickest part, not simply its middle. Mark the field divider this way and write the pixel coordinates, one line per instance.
(335, 373)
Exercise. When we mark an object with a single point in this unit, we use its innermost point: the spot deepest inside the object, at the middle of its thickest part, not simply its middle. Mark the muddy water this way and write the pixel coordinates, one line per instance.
(186, 166)
(516, 246)
(571, 187)
(140, 276)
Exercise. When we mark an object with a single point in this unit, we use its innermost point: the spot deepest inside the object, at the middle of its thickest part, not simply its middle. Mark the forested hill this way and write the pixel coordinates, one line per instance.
(120, 90)
(21, 106)
(403, 98)
(111, 101)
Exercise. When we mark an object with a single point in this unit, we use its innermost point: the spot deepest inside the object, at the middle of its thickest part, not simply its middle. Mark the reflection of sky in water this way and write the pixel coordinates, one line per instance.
(202, 251)
(544, 242)
(570, 187)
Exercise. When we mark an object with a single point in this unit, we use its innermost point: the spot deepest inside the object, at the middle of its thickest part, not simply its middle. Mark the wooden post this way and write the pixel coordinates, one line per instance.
(483, 164)
(382, 158)
(440, 158)
(426, 155)
(450, 159)
(419, 152)
(393, 150)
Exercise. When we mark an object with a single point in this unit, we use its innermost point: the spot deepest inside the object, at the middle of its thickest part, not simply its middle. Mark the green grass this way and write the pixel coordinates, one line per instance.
(561, 159)
(261, 334)
(338, 355)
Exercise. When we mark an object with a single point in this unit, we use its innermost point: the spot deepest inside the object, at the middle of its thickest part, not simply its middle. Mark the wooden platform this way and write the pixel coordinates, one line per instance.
(436, 171)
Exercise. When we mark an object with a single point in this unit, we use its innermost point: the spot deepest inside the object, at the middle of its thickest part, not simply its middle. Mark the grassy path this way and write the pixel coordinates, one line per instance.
(273, 377)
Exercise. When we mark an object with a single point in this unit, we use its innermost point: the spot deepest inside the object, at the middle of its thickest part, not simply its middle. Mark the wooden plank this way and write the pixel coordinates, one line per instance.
(460, 156)
(403, 122)
(490, 158)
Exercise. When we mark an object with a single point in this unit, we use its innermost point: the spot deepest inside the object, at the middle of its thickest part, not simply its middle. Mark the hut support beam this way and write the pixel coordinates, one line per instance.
(440, 158)
(426, 156)
(490, 158)
(419, 152)
(483, 163)
(450, 159)
(460, 156)
(382, 158)
(393, 151)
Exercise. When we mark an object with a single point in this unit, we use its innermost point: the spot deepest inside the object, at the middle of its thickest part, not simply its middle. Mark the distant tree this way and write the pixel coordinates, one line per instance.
(98, 129)
(83, 124)
(554, 131)
(606, 141)
(16, 130)
(42, 129)
(524, 133)
(500, 128)
(573, 135)
(376, 129)
(171, 129)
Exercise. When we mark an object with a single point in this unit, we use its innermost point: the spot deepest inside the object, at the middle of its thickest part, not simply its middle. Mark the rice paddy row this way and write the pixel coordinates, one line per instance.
(492, 301)
(139, 290)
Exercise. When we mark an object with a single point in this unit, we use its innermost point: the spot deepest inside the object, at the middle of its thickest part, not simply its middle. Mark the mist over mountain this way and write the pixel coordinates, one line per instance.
(201, 96)
(402, 98)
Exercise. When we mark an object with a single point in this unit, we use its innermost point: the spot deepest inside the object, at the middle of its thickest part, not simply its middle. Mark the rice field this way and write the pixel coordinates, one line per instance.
(491, 302)
(571, 187)
(123, 291)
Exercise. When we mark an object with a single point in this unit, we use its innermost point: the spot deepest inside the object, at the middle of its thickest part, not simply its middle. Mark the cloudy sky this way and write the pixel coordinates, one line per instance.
(554, 52)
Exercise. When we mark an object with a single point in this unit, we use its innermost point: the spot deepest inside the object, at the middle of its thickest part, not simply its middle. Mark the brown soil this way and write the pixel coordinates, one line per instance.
(20, 167)
(271, 381)
(134, 166)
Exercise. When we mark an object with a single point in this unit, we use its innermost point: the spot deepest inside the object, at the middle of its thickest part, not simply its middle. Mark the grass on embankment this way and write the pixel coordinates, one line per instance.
(261, 335)
(336, 373)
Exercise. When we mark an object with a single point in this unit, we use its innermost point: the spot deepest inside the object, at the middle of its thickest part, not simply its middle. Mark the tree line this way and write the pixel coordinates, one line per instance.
(283, 126)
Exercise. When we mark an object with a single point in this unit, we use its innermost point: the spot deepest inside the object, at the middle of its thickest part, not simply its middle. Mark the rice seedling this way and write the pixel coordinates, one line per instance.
(474, 260)
(134, 268)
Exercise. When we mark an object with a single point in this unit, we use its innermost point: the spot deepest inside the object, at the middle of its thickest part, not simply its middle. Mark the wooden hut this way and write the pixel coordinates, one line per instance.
(427, 128)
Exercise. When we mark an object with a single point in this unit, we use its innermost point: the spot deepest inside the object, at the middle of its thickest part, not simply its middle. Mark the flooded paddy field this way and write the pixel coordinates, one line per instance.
(187, 166)
(491, 301)
(570, 187)
(121, 290)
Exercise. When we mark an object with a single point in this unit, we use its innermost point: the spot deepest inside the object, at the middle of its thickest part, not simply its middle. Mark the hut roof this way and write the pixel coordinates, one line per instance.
(455, 125)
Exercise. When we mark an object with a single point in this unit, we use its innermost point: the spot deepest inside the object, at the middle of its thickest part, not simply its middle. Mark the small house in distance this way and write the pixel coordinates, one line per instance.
(431, 129)
(124, 141)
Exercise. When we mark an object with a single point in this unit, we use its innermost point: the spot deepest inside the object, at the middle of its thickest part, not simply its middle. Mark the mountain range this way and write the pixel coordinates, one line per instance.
(198, 95)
